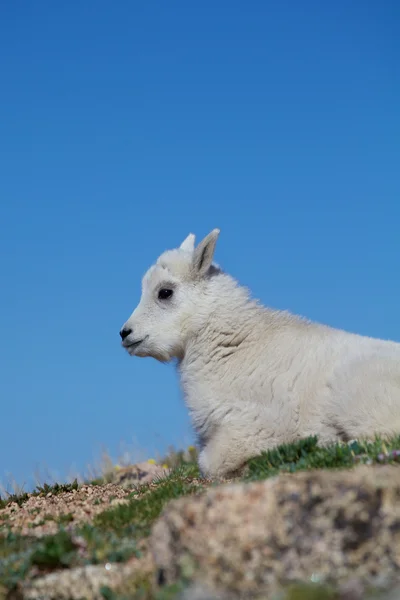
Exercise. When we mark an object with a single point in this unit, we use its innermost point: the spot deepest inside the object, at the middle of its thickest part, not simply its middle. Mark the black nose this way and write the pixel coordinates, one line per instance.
(125, 332)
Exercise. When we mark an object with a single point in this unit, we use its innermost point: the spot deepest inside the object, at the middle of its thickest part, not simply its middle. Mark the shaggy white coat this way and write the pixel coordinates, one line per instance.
(253, 377)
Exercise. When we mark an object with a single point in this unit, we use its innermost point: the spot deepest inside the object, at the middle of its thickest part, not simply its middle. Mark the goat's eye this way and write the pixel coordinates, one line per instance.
(164, 294)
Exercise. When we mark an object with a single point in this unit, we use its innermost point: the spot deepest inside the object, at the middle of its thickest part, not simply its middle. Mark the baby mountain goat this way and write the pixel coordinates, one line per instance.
(253, 377)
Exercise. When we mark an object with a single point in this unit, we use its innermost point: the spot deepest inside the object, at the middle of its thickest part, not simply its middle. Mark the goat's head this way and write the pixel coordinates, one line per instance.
(174, 302)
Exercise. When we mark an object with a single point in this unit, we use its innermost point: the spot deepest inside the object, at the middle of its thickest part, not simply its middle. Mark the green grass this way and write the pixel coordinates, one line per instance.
(54, 552)
(307, 455)
(115, 534)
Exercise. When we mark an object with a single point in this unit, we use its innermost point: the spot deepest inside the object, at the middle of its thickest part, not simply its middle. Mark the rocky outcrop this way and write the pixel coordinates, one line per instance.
(319, 526)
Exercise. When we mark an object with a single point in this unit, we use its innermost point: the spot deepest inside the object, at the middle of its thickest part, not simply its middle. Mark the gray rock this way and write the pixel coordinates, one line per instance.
(315, 526)
(87, 582)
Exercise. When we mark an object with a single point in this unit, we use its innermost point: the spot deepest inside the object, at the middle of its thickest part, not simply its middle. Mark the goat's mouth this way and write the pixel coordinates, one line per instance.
(132, 346)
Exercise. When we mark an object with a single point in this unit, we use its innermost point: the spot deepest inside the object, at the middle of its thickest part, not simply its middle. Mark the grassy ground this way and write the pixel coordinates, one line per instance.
(118, 532)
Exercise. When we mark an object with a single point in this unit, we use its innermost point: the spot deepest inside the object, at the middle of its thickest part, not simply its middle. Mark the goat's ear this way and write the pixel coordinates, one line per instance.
(188, 243)
(204, 253)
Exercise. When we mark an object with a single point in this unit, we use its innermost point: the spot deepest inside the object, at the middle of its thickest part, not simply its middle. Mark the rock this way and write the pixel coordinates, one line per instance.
(88, 582)
(318, 526)
(138, 474)
(198, 591)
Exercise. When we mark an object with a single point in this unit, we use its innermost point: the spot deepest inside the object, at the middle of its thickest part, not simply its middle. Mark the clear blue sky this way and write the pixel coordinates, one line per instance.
(126, 125)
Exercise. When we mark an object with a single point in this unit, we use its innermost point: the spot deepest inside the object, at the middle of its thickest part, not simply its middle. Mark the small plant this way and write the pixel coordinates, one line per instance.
(310, 591)
(17, 498)
(102, 546)
(65, 518)
(57, 488)
(54, 551)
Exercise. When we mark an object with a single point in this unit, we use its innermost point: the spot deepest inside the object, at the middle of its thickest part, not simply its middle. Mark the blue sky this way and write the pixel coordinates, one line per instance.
(123, 127)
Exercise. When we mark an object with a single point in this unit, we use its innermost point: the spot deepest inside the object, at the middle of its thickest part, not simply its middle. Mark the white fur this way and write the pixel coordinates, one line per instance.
(253, 377)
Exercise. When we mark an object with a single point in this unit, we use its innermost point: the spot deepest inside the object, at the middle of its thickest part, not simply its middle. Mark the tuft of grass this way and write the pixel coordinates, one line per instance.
(57, 488)
(305, 454)
(54, 552)
(310, 591)
(18, 498)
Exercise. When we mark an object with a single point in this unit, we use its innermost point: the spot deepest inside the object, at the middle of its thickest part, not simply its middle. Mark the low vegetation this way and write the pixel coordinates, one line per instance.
(118, 533)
